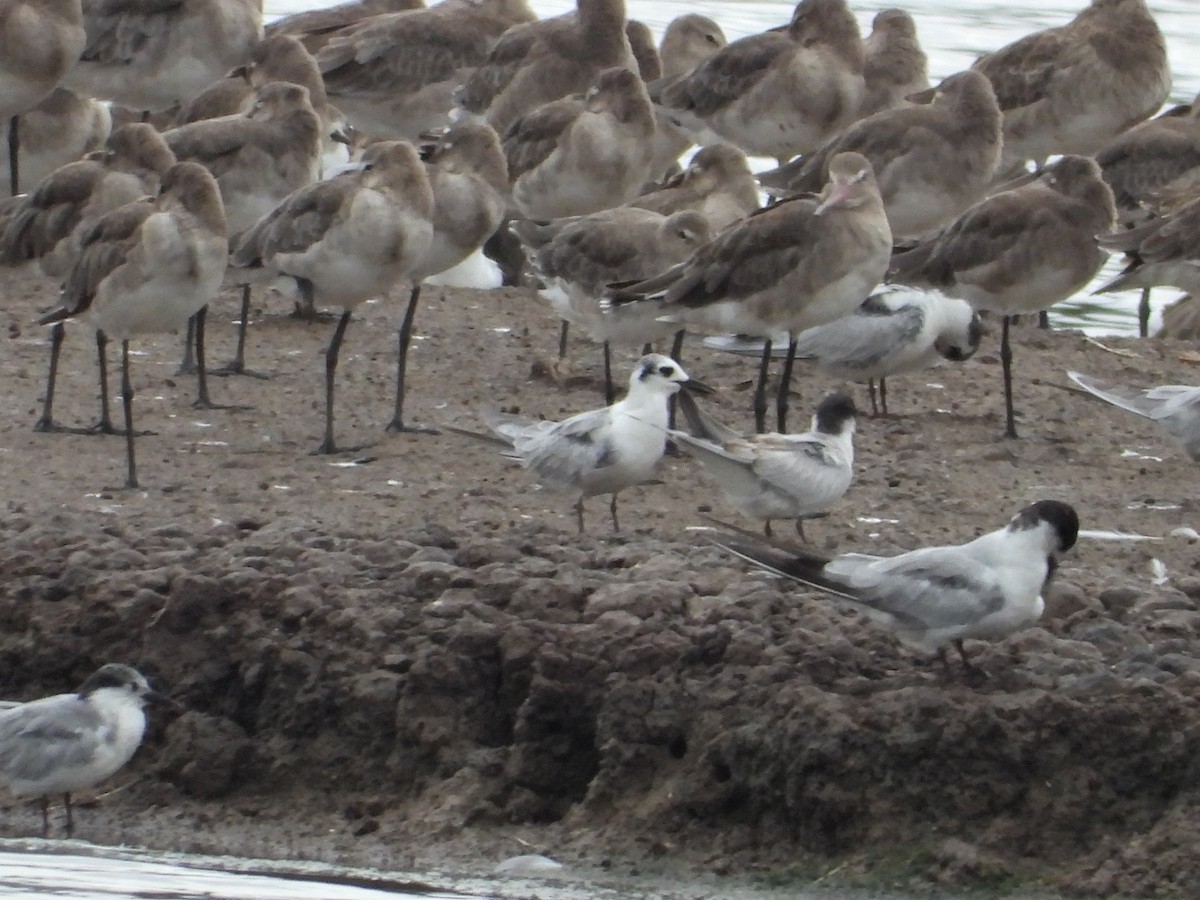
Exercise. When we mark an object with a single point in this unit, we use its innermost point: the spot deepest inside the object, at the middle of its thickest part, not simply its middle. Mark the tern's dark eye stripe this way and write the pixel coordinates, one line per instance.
(666, 370)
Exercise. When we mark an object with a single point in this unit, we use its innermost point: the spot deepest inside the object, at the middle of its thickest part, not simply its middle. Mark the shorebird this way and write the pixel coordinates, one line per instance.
(469, 180)
(577, 258)
(258, 157)
(776, 476)
(575, 157)
(347, 240)
(688, 40)
(314, 27)
(896, 66)
(277, 57)
(1174, 408)
(897, 329)
(545, 60)
(1018, 251)
(1146, 159)
(39, 42)
(985, 589)
(147, 267)
(61, 129)
(601, 451)
(49, 225)
(70, 742)
(779, 93)
(1071, 89)
(717, 182)
(931, 161)
(149, 56)
(394, 75)
(800, 263)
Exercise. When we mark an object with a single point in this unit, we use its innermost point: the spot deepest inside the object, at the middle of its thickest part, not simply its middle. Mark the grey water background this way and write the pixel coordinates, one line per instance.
(953, 33)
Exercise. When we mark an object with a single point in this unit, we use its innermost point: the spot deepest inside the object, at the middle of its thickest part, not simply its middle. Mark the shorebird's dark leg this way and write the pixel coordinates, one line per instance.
(610, 392)
(1144, 313)
(883, 395)
(203, 400)
(104, 424)
(70, 817)
(760, 391)
(579, 514)
(673, 401)
(44, 803)
(563, 331)
(237, 365)
(331, 361)
(785, 385)
(612, 509)
(187, 365)
(405, 340)
(127, 405)
(1044, 320)
(14, 151)
(871, 392)
(46, 422)
(1010, 426)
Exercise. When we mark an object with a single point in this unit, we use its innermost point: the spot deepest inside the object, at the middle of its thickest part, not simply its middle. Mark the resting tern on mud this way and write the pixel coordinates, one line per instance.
(1175, 408)
(601, 451)
(897, 329)
(68, 742)
(776, 476)
(985, 589)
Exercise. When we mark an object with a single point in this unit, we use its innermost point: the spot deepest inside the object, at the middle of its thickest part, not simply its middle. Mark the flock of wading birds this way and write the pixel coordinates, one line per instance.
(565, 135)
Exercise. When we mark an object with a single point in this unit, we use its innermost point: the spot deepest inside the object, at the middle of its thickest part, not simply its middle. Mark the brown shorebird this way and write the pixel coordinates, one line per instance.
(1071, 89)
(147, 267)
(546, 60)
(803, 262)
(896, 66)
(719, 185)
(394, 75)
(39, 42)
(62, 128)
(149, 55)
(346, 240)
(278, 57)
(1164, 250)
(778, 93)
(258, 158)
(1018, 251)
(574, 157)
(717, 182)
(1153, 156)
(931, 161)
(49, 225)
(469, 180)
(687, 41)
(314, 27)
(577, 258)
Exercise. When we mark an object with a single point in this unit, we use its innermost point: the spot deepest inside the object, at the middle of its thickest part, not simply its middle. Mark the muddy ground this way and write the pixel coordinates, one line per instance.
(405, 656)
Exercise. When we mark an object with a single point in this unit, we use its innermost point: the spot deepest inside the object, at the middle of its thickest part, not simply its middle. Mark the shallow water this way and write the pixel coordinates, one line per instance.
(953, 33)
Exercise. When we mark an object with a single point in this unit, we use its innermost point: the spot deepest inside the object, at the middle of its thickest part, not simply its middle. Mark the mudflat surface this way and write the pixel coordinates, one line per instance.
(406, 656)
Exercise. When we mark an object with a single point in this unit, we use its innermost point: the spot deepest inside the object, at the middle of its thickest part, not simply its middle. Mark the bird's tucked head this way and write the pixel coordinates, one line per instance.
(835, 414)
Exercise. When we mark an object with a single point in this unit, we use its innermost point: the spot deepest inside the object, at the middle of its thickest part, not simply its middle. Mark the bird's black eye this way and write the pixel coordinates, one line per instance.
(711, 38)
(668, 371)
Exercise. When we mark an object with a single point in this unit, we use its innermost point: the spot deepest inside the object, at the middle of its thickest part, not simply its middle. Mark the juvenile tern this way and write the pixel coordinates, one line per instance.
(69, 742)
(601, 451)
(776, 476)
(985, 589)
(1175, 408)
(897, 329)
